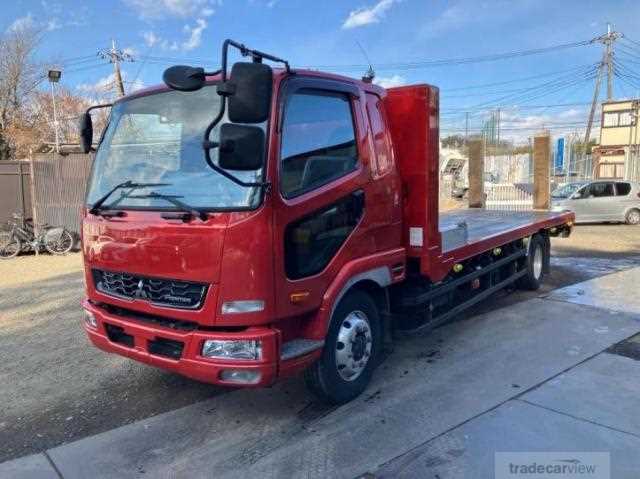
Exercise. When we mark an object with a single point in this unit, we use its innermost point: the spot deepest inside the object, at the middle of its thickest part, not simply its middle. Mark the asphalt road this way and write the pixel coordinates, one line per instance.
(56, 388)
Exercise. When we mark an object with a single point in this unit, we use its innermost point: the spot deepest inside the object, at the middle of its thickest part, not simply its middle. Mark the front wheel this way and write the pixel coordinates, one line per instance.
(59, 243)
(633, 217)
(350, 352)
(10, 246)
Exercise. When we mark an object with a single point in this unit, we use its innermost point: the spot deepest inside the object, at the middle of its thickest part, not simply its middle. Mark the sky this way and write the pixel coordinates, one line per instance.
(397, 37)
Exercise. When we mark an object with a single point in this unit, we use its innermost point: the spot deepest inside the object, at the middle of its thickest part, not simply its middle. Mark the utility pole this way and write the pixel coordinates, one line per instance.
(498, 128)
(116, 56)
(466, 128)
(608, 41)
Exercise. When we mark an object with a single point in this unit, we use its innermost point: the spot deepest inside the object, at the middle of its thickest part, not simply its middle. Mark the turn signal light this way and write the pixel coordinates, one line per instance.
(299, 297)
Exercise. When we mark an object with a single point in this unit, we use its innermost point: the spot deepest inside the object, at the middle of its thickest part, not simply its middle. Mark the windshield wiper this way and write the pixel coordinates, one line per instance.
(173, 199)
(97, 206)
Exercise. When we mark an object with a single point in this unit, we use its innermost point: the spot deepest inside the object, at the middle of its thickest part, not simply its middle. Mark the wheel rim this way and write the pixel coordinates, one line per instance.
(9, 248)
(62, 244)
(353, 345)
(537, 262)
(634, 217)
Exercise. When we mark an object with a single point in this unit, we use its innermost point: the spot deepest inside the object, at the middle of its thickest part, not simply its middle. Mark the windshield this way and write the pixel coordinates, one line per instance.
(158, 139)
(565, 191)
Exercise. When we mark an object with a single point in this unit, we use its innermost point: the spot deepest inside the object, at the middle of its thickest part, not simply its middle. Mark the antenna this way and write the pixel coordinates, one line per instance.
(370, 73)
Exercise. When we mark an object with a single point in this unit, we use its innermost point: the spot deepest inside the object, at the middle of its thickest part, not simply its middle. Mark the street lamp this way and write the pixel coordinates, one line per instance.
(54, 77)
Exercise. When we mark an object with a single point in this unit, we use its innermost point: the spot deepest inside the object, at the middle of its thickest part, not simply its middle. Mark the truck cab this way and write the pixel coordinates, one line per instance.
(239, 292)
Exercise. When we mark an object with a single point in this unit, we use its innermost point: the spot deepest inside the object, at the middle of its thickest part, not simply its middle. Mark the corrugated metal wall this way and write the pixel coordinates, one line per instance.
(15, 195)
(59, 184)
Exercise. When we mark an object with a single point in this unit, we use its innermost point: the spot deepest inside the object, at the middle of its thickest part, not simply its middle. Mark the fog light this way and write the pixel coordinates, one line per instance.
(232, 349)
(247, 306)
(90, 319)
(240, 376)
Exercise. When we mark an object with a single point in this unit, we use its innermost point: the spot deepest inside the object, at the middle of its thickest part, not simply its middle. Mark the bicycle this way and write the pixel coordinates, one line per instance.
(22, 237)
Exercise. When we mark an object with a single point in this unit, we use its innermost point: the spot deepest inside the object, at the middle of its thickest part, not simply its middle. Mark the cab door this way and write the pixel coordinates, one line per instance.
(320, 217)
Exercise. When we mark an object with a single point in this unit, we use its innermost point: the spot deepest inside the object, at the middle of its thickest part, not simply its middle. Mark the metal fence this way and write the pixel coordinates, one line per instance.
(15, 194)
(59, 183)
(509, 196)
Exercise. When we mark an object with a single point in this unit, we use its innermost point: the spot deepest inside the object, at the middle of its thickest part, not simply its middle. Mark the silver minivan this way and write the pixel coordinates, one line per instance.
(599, 201)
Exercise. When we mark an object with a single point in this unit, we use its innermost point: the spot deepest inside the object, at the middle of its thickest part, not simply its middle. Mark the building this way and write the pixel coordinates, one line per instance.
(618, 154)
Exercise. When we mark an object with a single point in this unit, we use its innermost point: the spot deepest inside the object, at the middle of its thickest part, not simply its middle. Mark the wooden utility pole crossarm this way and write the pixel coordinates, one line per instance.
(116, 56)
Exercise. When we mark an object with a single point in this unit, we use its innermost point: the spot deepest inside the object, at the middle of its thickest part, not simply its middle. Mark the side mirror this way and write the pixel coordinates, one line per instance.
(250, 97)
(241, 147)
(86, 132)
(184, 78)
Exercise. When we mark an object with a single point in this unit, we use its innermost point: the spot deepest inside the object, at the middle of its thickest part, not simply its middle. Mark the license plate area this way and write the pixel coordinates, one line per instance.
(168, 348)
(117, 335)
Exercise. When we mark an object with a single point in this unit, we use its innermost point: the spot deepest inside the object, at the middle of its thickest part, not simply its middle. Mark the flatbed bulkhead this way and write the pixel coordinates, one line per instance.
(304, 233)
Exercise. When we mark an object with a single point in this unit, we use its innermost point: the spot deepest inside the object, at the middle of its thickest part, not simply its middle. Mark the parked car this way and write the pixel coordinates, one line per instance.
(599, 201)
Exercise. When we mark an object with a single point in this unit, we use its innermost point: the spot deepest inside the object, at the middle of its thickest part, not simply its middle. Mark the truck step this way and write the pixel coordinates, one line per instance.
(299, 347)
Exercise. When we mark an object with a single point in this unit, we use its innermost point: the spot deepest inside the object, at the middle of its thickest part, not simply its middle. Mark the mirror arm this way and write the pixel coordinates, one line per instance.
(96, 107)
(208, 145)
(256, 55)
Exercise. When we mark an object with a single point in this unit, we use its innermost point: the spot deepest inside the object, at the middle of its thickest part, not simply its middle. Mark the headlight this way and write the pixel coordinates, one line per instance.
(247, 306)
(232, 349)
(90, 319)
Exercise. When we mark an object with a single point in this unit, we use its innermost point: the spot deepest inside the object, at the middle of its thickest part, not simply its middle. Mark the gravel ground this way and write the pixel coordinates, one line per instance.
(57, 388)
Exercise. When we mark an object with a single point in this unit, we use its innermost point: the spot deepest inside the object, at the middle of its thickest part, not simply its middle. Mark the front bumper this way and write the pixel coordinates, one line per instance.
(139, 341)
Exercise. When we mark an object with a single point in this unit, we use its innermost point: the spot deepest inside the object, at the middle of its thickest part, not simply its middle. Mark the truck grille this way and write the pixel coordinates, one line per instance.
(162, 292)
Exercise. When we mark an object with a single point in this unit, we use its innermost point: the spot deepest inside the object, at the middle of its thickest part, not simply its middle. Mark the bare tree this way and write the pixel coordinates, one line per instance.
(19, 77)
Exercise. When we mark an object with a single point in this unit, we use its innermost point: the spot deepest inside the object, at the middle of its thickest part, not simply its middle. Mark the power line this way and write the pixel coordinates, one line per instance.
(405, 65)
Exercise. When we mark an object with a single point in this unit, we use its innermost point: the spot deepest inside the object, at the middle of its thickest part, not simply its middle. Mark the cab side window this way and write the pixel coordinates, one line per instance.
(318, 141)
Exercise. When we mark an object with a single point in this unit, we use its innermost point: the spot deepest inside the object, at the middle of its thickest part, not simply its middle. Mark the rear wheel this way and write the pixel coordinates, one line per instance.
(59, 244)
(350, 353)
(10, 246)
(633, 217)
(536, 260)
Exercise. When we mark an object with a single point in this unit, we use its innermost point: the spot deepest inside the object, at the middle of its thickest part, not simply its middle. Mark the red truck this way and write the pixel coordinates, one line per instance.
(243, 227)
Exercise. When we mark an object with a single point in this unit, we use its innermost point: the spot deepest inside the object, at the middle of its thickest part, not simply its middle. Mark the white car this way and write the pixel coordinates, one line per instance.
(599, 201)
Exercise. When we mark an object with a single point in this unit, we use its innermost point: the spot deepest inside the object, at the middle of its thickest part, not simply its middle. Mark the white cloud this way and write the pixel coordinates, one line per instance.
(390, 82)
(131, 51)
(53, 24)
(22, 23)
(453, 18)
(105, 86)
(518, 127)
(193, 38)
(158, 9)
(150, 39)
(194, 35)
(366, 16)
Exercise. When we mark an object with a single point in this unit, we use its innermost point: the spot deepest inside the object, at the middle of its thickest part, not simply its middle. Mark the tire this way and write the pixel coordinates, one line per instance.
(536, 260)
(60, 244)
(10, 246)
(336, 378)
(633, 217)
